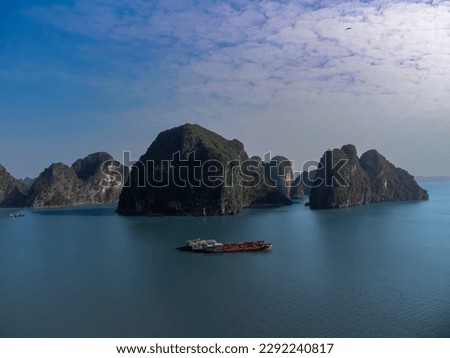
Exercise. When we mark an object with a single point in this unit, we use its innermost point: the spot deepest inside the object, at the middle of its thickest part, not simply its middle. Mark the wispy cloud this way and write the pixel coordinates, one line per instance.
(306, 65)
(391, 46)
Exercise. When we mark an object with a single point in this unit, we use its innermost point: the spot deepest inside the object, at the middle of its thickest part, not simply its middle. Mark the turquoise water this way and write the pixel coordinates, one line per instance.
(380, 270)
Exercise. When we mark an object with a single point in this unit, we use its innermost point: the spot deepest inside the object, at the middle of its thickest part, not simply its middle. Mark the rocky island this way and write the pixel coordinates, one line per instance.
(344, 180)
(95, 179)
(189, 170)
(13, 192)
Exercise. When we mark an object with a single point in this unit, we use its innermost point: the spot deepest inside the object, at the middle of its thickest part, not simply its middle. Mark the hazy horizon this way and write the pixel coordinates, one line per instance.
(292, 78)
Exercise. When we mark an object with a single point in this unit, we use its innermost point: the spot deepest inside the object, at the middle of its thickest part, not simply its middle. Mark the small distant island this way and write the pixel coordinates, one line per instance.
(190, 170)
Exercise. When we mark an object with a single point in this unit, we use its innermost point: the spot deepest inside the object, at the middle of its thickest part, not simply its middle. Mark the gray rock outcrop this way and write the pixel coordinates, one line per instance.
(96, 179)
(13, 192)
(344, 180)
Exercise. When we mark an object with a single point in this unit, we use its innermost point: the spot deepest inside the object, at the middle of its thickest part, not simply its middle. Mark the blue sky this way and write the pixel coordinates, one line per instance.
(282, 76)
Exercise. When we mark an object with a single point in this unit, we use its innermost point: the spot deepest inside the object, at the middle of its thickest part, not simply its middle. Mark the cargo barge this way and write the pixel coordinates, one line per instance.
(212, 246)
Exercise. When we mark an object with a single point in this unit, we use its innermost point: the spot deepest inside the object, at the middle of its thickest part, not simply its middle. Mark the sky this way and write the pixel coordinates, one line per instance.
(293, 78)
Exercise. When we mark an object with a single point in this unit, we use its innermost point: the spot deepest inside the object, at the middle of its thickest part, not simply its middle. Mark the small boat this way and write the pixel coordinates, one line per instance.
(212, 246)
(16, 215)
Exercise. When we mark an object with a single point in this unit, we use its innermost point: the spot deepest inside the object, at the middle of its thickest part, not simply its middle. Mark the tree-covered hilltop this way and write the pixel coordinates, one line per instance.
(189, 170)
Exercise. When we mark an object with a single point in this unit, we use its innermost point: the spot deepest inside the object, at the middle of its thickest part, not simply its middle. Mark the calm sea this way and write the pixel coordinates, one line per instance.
(380, 270)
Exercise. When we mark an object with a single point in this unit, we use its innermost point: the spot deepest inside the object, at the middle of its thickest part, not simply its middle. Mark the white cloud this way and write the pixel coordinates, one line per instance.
(291, 63)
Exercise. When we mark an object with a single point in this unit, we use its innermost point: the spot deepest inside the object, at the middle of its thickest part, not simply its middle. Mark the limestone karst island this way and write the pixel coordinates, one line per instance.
(190, 170)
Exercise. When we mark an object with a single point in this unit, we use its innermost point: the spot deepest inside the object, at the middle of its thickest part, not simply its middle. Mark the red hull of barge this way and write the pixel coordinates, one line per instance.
(240, 247)
(211, 246)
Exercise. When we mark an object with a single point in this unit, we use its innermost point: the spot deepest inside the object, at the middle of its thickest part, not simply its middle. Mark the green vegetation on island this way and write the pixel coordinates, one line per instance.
(190, 170)
(344, 180)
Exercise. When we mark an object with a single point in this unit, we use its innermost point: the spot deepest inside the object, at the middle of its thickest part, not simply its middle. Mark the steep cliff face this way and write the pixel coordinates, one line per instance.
(389, 183)
(89, 167)
(102, 176)
(263, 190)
(343, 180)
(340, 181)
(95, 179)
(189, 170)
(57, 185)
(279, 173)
(12, 191)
